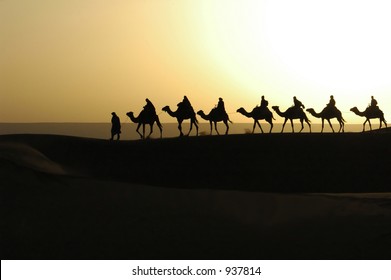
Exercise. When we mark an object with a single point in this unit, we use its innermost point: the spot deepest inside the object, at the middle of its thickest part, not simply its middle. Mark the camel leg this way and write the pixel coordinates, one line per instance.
(226, 124)
(150, 131)
(321, 131)
(260, 126)
(283, 125)
(363, 125)
(271, 126)
(302, 125)
(255, 123)
(370, 125)
(216, 128)
(331, 125)
(309, 125)
(191, 127)
(160, 127)
(196, 125)
(293, 129)
(138, 127)
(180, 128)
(211, 127)
(340, 125)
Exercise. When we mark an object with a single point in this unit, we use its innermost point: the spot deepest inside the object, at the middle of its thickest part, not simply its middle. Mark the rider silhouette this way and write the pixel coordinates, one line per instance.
(373, 102)
(264, 102)
(149, 109)
(220, 105)
(297, 103)
(185, 105)
(331, 102)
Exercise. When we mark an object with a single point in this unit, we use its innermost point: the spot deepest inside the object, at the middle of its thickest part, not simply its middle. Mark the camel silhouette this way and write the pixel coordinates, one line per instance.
(291, 114)
(215, 116)
(182, 115)
(328, 114)
(143, 119)
(370, 113)
(258, 113)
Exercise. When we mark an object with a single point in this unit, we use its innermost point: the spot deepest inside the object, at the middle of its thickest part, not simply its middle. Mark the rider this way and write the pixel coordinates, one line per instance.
(185, 104)
(264, 102)
(373, 102)
(149, 108)
(297, 103)
(220, 105)
(331, 102)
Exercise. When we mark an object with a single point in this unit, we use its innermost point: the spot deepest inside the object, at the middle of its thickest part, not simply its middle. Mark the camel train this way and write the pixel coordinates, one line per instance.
(217, 114)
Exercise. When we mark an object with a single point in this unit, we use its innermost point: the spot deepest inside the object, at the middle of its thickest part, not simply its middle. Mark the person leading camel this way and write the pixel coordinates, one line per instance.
(115, 126)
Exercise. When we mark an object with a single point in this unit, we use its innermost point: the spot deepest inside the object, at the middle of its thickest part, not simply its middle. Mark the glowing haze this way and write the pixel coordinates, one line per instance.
(77, 61)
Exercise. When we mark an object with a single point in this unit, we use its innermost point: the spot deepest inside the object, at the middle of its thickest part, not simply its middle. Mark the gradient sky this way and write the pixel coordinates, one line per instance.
(79, 60)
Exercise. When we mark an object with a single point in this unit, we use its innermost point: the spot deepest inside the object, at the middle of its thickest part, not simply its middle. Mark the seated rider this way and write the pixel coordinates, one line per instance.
(220, 105)
(331, 102)
(373, 106)
(297, 103)
(185, 105)
(264, 102)
(149, 109)
(373, 102)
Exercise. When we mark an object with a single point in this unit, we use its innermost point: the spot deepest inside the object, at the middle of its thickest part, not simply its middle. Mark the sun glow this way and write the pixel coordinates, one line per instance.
(111, 56)
(306, 48)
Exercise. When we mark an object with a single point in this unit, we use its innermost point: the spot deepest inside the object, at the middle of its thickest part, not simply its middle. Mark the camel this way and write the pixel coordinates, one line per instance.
(258, 113)
(182, 115)
(291, 114)
(328, 114)
(215, 116)
(144, 119)
(370, 113)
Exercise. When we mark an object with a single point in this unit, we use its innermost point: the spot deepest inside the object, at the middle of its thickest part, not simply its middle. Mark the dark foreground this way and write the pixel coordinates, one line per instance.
(240, 197)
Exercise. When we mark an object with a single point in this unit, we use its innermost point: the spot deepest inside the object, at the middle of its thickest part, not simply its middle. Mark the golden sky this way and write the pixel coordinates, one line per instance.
(79, 60)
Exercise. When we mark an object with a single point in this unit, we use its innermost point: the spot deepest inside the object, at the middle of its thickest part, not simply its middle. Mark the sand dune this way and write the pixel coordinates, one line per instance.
(88, 214)
(29, 157)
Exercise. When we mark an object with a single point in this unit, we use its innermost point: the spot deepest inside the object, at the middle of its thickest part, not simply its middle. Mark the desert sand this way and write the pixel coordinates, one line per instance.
(277, 196)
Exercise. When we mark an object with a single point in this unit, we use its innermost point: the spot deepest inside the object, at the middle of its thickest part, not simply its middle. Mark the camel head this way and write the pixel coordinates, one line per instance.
(240, 110)
(310, 110)
(129, 114)
(354, 109)
(275, 108)
(166, 108)
(200, 112)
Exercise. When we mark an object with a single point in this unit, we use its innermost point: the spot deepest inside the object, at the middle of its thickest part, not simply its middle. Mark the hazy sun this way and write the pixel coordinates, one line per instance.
(338, 44)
